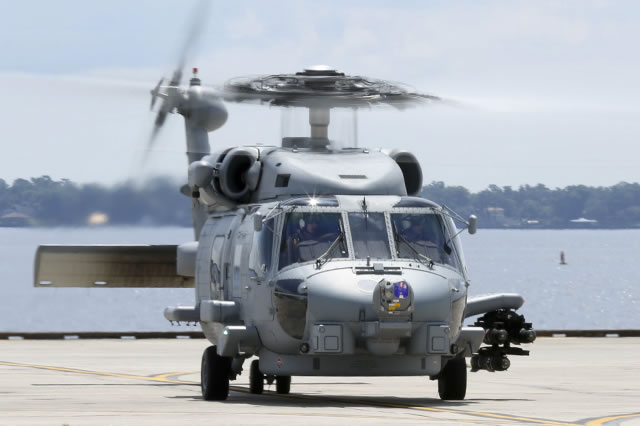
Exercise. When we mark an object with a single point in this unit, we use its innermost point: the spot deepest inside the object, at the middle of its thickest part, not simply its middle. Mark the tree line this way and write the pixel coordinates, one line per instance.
(47, 202)
(616, 206)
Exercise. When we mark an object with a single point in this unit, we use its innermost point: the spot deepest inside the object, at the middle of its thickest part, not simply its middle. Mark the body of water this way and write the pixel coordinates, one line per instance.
(597, 289)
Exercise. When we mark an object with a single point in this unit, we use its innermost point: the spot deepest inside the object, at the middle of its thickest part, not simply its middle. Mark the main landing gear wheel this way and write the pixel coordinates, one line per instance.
(283, 384)
(452, 381)
(214, 375)
(256, 378)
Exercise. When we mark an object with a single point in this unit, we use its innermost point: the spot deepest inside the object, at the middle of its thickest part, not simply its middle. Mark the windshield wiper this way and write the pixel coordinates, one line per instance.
(324, 257)
(425, 260)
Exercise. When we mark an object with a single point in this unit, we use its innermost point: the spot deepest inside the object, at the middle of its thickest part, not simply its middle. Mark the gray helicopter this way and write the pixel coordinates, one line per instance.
(318, 259)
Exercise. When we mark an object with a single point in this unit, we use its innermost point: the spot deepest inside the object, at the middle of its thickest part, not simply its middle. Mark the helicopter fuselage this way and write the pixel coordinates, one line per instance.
(380, 289)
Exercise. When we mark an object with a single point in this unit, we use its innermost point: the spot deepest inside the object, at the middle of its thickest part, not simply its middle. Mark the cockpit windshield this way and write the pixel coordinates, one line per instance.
(422, 236)
(308, 236)
(322, 236)
(369, 234)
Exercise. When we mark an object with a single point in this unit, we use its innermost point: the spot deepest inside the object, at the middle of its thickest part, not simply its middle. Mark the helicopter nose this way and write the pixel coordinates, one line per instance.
(379, 314)
(391, 298)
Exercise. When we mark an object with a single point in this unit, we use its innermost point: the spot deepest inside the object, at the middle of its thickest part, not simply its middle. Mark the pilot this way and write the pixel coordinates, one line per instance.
(309, 229)
(413, 228)
(422, 229)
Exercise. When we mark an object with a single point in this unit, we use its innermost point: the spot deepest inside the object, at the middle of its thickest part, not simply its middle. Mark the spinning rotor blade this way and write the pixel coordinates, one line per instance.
(324, 87)
(196, 26)
(171, 95)
(170, 100)
(155, 93)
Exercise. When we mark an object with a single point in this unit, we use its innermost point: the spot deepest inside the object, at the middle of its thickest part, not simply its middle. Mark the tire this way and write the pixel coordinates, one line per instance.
(256, 378)
(452, 381)
(214, 375)
(283, 384)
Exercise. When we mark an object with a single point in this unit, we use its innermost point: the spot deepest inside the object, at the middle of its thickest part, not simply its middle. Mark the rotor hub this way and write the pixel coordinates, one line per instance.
(320, 70)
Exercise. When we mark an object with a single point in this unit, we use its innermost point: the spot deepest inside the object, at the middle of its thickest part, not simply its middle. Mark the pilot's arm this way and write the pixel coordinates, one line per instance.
(294, 242)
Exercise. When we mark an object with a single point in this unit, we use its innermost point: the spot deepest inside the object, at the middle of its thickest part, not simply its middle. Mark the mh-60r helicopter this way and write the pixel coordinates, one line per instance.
(319, 260)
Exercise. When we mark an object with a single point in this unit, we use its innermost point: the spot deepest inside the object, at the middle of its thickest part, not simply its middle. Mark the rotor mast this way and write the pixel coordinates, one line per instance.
(319, 119)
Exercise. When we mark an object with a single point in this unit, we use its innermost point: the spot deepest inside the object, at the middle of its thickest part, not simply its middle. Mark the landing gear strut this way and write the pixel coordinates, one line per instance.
(214, 375)
(452, 380)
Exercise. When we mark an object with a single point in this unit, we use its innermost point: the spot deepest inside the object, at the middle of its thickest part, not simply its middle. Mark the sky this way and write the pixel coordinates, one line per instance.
(547, 91)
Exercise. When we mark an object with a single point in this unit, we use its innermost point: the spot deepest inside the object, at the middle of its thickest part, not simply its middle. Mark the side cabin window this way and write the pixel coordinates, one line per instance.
(369, 235)
(422, 235)
(306, 236)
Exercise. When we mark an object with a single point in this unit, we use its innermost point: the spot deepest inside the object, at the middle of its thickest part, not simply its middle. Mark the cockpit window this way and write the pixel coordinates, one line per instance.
(369, 235)
(309, 236)
(422, 236)
(265, 238)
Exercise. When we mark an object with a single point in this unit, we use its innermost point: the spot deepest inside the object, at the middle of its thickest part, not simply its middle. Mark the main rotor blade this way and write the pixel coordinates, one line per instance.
(330, 89)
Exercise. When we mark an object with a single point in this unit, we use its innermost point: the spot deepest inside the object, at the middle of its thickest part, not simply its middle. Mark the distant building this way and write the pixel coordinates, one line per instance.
(583, 223)
(531, 224)
(495, 216)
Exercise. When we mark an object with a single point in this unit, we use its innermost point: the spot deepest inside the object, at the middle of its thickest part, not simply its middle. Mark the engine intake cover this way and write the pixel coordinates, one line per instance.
(239, 173)
(411, 170)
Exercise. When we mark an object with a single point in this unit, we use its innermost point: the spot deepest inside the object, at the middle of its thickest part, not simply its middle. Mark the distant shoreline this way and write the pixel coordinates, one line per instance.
(43, 201)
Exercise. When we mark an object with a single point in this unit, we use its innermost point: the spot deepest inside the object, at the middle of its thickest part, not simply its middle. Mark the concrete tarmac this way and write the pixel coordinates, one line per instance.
(590, 381)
